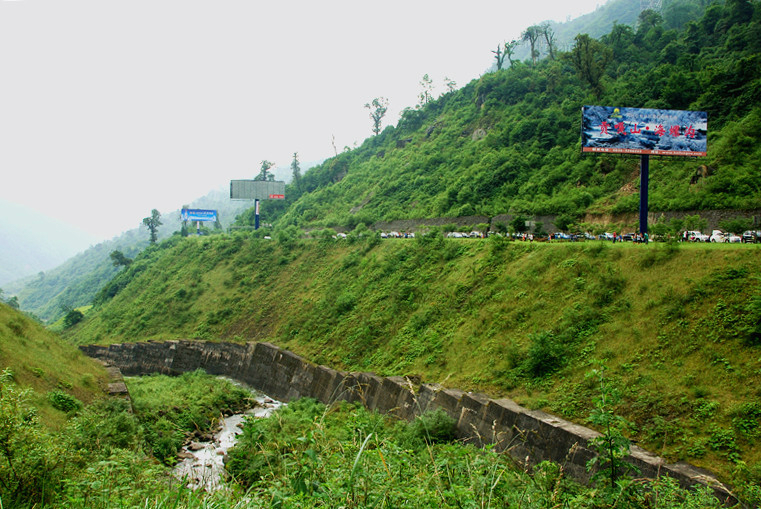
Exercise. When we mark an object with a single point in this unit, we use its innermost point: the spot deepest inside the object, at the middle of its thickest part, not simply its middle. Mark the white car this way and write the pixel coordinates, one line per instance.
(719, 236)
(696, 236)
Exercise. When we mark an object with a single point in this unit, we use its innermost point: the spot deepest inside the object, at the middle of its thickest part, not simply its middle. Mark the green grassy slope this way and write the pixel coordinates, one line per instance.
(74, 283)
(41, 362)
(677, 325)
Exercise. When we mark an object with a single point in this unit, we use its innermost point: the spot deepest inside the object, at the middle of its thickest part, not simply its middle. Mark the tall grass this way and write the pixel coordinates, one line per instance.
(504, 318)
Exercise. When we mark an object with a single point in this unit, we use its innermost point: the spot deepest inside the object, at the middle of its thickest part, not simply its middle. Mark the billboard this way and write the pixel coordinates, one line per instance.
(616, 130)
(198, 215)
(257, 190)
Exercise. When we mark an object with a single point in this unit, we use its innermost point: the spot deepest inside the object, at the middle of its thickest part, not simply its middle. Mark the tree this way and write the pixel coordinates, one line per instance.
(510, 50)
(427, 94)
(499, 56)
(13, 302)
(72, 318)
(450, 84)
(153, 222)
(695, 223)
(518, 224)
(378, 109)
(590, 58)
(565, 222)
(296, 171)
(531, 35)
(549, 38)
(740, 11)
(118, 259)
(266, 165)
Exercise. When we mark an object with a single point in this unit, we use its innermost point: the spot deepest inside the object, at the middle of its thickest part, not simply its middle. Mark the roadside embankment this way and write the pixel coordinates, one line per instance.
(529, 436)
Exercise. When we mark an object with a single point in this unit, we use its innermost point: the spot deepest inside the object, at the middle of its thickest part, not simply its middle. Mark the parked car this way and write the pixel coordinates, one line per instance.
(696, 236)
(732, 238)
(605, 236)
(627, 237)
(454, 235)
(751, 236)
(717, 236)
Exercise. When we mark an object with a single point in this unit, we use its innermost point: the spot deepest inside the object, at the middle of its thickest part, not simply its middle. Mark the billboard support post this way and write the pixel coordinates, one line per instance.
(257, 190)
(644, 181)
(256, 214)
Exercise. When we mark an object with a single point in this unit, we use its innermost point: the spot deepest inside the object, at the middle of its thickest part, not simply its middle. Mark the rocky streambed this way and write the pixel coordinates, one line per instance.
(202, 463)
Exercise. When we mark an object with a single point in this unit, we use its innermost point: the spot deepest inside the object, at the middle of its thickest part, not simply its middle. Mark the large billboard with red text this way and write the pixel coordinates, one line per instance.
(617, 130)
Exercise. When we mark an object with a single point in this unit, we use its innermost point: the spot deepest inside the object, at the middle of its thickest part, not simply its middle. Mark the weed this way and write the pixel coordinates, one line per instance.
(746, 419)
(612, 446)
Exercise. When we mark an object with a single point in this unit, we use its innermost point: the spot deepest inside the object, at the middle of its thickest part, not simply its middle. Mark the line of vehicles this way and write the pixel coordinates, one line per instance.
(716, 236)
(748, 237)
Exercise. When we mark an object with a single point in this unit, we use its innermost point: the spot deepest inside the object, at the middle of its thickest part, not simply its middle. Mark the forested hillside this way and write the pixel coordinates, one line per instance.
(509, 142)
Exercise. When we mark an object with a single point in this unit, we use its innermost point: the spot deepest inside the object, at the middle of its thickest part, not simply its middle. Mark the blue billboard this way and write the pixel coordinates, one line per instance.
(617, 130)
(199, 215)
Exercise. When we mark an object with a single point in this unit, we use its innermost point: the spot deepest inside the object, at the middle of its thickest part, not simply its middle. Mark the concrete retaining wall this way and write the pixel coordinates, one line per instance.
(529, 436)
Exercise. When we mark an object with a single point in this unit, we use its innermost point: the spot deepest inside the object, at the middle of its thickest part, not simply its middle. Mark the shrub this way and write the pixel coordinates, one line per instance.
(72, 318)
(545, 355)
(432, 427)
(63, 401)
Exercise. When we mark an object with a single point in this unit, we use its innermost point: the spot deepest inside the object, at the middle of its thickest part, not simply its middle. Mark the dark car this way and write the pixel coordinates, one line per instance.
(750, 236)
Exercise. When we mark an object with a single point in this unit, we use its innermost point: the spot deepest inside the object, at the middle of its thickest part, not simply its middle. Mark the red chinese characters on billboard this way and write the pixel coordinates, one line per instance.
(643, 131)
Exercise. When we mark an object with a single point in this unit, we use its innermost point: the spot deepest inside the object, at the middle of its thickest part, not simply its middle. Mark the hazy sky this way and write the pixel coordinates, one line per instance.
(110, 108)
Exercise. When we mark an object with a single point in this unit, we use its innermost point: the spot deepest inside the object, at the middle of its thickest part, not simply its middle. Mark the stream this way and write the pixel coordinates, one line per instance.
(202, 464)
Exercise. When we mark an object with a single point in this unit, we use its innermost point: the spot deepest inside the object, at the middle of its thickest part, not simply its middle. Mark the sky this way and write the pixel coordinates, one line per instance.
(111, 108)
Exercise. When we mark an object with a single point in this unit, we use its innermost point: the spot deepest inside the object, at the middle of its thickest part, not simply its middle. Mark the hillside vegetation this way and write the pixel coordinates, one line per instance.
(678, 325)
(56, 372)
(509, 142)
(64, 444)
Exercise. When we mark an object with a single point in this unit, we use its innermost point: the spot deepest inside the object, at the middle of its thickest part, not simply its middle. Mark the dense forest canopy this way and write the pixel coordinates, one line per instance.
(509, 141)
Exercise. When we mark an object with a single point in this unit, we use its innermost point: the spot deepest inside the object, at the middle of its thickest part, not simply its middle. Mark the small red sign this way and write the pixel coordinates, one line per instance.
(277, 197)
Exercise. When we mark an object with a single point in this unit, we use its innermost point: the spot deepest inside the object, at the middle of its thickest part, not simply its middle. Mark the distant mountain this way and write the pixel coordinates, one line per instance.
(31, 242)
(49, 289)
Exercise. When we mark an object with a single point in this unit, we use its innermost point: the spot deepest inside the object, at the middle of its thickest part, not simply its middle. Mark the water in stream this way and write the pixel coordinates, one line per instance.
(203, 465)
